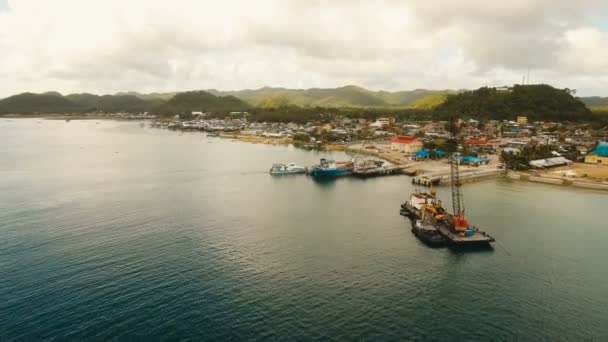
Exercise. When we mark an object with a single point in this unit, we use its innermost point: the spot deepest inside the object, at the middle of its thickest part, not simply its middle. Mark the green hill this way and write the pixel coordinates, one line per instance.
(538, 102)
(30, 103)
(595, 101)
(348, 96)
(430, 102)
(186, 102)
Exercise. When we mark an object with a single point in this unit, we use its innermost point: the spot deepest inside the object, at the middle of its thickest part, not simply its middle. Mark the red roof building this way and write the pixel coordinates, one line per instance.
(406, 144)
(404, 139)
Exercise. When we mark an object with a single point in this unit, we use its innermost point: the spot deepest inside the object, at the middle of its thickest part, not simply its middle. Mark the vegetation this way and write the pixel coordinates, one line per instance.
(595, 101)
(186, 102)
(430, 102)
(348, 96)
(537, 102)
(521, 160)
(29, 103)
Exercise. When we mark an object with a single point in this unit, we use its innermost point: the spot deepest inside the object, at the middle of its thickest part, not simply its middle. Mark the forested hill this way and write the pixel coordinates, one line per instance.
(55, 103)
(341, 97)
(595, 101)
(537, 102)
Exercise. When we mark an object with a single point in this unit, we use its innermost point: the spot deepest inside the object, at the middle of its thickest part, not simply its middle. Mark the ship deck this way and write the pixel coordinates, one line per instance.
(478, 238)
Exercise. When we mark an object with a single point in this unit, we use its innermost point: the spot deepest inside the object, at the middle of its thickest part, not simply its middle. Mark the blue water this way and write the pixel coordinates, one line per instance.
(110, 230)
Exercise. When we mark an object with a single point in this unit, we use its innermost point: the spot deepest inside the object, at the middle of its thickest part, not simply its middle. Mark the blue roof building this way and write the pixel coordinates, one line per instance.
(599, 155)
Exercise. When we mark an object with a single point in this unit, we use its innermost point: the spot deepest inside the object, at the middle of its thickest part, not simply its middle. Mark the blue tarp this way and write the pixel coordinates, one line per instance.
(601, 150)
(440, 153)
(422, 153)
(471, 159)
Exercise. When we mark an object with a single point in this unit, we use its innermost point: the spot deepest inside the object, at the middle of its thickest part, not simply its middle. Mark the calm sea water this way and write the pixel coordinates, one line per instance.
(110, 230)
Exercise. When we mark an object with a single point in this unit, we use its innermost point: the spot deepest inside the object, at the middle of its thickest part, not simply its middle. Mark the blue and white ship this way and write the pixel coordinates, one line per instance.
(286, 169)
(330, 169)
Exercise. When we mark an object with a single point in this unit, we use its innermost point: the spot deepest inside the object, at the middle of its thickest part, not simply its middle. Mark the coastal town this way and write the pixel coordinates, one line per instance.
(548, 152)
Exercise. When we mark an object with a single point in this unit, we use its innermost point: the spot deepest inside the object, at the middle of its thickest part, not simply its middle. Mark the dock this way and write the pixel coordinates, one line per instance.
(379, 171)
(465, 176)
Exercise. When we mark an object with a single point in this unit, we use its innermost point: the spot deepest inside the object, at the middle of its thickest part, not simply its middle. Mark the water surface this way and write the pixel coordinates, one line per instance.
(110, 230)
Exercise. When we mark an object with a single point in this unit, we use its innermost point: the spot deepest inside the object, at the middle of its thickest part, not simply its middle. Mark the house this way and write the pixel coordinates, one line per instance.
(522, 120)
(599, 155)
(483, 144)
(383, 122)
(406, 144)
(549, 162)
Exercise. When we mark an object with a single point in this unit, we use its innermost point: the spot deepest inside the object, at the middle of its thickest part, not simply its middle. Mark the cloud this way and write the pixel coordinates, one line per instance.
(145, 45)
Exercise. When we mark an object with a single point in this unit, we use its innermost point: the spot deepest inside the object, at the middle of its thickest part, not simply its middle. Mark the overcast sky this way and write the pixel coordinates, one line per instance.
(105, 46)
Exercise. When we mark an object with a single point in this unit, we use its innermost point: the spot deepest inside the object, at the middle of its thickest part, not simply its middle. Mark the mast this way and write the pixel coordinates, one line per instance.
(455, 178)
(454, 172)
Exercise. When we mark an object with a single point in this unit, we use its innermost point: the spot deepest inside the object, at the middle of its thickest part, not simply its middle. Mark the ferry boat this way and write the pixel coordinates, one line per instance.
(329, 169)
(286, 169)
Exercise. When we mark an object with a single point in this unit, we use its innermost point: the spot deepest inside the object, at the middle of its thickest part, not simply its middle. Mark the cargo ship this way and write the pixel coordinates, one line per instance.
(330, 169)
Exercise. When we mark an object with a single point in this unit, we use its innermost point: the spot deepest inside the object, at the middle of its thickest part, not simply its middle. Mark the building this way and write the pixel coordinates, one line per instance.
(406, 144)
(383, 122)
(522, 120)
(599, 155)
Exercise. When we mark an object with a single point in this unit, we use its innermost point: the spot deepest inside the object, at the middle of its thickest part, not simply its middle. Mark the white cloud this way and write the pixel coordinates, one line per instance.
(145, 45)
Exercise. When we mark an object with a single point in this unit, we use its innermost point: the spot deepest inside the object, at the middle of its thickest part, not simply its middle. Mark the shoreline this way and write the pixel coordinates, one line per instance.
(560, 181)
(425, 170)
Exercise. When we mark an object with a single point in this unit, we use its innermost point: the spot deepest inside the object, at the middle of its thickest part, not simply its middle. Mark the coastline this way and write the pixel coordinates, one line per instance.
(425, 170)
(561, 181)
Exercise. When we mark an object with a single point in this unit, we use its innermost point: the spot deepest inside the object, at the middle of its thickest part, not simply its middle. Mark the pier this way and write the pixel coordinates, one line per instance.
(379, 171)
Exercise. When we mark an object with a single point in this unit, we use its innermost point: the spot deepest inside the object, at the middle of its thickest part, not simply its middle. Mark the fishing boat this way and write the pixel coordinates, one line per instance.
(286, 169)
(330, 169)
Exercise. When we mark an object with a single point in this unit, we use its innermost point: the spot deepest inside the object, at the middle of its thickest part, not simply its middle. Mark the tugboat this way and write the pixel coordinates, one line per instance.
(330, 169)
(425, 229)
(286, 169)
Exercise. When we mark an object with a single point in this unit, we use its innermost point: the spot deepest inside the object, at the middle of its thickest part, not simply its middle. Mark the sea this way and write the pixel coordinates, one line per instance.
(114, 230)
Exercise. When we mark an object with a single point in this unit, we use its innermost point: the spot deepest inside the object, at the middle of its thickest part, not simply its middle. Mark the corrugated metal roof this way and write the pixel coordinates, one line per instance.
(601, 150)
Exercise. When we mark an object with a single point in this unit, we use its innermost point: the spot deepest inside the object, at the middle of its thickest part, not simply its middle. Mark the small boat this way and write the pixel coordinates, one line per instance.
(286, 169)
(427, 232)
(330, 169)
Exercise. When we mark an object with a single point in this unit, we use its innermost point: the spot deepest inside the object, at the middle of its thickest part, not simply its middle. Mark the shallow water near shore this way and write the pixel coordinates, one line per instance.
(111, 230)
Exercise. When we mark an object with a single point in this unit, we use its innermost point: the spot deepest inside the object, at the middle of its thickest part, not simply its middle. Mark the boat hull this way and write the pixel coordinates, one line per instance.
(429, 237)
(288, 172)
(409, 211)
(332, 173)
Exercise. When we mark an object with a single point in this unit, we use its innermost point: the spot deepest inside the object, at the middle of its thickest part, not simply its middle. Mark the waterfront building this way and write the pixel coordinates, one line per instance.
(599, 155)
(406, 144)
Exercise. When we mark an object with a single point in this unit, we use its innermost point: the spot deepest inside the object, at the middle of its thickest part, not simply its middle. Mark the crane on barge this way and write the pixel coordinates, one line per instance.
(459, 220)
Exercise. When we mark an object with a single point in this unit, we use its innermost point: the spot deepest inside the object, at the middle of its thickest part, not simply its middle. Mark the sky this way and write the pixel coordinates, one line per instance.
(107, 46)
